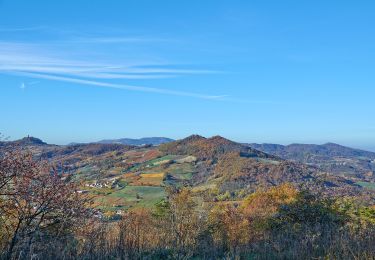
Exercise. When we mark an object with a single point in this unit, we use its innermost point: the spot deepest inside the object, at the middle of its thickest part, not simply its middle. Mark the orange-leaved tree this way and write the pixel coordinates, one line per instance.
(35, 204)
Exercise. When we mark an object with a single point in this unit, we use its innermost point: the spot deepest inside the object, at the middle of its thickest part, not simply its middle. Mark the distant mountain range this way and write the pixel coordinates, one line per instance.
(300, 151)
(138, 142)
(329, 157)
(215, 162)
(337, 159)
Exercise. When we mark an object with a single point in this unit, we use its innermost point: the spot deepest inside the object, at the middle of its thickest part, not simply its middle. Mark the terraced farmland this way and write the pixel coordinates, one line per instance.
(141, 184)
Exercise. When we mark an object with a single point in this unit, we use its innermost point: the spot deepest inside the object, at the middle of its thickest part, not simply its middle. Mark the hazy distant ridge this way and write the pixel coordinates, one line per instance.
(298, 151)
(137, 142)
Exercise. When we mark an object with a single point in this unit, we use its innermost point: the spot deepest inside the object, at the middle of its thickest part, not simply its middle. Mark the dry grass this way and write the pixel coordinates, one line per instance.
(149, 179)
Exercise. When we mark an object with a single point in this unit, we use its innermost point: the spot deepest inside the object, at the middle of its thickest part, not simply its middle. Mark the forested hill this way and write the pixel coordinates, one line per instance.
(330, 157)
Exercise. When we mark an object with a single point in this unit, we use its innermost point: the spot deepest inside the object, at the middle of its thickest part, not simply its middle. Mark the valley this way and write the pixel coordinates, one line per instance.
(120, 177)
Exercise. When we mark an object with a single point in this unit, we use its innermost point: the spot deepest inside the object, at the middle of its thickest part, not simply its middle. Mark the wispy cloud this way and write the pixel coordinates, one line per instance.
(119, 86)
(43, 61)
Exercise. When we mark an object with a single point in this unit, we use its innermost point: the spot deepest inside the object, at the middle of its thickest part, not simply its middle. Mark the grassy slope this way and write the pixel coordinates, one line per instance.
(368, 185)
(141, 186)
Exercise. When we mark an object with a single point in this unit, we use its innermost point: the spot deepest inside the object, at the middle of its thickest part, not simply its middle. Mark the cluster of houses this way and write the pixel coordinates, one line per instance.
(111, 183)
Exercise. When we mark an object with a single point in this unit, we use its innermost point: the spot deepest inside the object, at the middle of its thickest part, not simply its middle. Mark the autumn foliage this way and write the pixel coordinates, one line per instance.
(44, 217)
(36, 205)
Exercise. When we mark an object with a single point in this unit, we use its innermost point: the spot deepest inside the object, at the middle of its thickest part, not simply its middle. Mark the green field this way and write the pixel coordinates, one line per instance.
(163, 158)
(144, 188)
(148, 196)
(151, 163)
(368, 185)
(181, 171)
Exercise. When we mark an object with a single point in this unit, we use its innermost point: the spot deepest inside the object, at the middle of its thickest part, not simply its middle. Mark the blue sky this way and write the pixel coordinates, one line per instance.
(252, 71)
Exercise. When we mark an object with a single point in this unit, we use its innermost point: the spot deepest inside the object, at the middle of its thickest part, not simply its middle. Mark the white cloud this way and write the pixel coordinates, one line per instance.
(120, 86)
(20, 57)
(51, 63)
